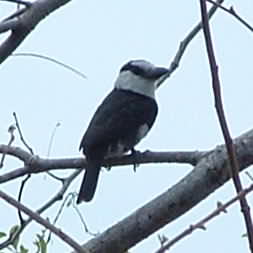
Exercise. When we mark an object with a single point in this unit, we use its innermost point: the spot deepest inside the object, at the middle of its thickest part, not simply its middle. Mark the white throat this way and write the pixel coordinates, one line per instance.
(132, 82)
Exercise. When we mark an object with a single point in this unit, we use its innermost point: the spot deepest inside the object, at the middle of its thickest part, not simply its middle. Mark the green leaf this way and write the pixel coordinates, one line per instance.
(12, 232)
(2, 234)
(36, 243)
(41, 244)
(23, 249)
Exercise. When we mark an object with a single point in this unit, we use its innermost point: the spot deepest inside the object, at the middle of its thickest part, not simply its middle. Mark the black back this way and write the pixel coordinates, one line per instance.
(118, 118)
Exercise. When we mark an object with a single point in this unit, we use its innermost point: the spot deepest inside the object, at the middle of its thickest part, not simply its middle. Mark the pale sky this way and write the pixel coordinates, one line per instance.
(97, 38)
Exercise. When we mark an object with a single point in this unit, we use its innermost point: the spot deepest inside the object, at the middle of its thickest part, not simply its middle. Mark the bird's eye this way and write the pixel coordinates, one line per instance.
(138, 71)
(133, 68)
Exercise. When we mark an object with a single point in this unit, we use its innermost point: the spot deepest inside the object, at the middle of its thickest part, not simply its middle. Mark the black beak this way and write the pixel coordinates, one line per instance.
(157, 72)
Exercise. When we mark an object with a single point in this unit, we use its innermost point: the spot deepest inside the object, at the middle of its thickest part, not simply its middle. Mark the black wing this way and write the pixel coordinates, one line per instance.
(118, 117)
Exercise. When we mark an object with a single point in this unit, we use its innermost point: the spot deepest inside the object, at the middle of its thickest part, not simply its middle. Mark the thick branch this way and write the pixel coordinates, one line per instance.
(208, 175)
(25, 23)
(35, 164)
(221, 208)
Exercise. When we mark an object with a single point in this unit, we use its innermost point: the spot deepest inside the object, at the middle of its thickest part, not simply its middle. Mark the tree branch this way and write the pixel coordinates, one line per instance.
(221, 208)
(9, 25)
(58, 196)
(43, 222)
(209, 174)
(234, 14)
(211, 171)
(35, 164)
(184, 44)
(234, 165)
(25, 23)
(26, 3)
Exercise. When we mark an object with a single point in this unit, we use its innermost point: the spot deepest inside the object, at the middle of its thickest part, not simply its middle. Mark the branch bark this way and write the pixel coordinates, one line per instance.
(234, 165)
(24, 22)
(35, 164)
(211, 172)
(33, 215)
(221, 208)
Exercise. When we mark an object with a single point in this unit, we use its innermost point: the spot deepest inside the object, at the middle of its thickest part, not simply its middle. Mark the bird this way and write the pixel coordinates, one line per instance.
(123, 118)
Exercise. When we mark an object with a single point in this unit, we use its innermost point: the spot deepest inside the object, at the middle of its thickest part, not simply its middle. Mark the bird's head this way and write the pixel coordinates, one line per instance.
(139, 76)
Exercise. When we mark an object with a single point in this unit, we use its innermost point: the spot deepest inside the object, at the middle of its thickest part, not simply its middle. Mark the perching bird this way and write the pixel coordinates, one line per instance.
(121, 121)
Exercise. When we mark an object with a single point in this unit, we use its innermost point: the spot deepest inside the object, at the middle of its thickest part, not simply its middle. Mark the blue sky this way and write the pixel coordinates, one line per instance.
(98, 37)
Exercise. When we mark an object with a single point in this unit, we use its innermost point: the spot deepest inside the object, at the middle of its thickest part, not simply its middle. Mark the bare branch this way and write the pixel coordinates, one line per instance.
(16, 152)
(183, 45)
(221, 208)
(233, 13)
(20, 133)
(15, 15)
(210, 173)
(27, 20)
(234, 164)
(11, 130)
(35, 216)
(26, 3)
(86, 229)
(66, 66)
(7, 25)
(35, 164)
(57, 197)
(21, 219)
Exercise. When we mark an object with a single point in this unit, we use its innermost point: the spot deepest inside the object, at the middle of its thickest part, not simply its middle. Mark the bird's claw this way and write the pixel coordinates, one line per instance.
(135, 154)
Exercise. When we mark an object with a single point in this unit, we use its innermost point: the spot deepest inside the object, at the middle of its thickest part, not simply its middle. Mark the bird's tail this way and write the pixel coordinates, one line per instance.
(89, 183)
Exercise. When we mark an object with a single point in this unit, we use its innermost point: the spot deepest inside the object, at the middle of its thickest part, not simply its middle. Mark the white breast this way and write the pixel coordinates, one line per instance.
(119, 148)
(116, 150)
(142, 132)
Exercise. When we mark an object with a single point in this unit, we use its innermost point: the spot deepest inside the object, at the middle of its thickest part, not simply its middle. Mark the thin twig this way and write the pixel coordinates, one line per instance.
(25, 3)
(77, 72)
(52, 138)
(15, 17)
(35, 216)
(221, 208)
(249, 175)
(21, 220)
(233, 13)
(52, 175)
(49, 151)
(63, 204)
(183, 45)
(57, 197)
(7, 25)
(11, 130)
(234, 165)
(20, 133)
(86, 229)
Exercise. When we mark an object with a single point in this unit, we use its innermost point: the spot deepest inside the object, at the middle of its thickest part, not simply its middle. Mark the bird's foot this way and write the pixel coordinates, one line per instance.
(135, 154)
(108, 168)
